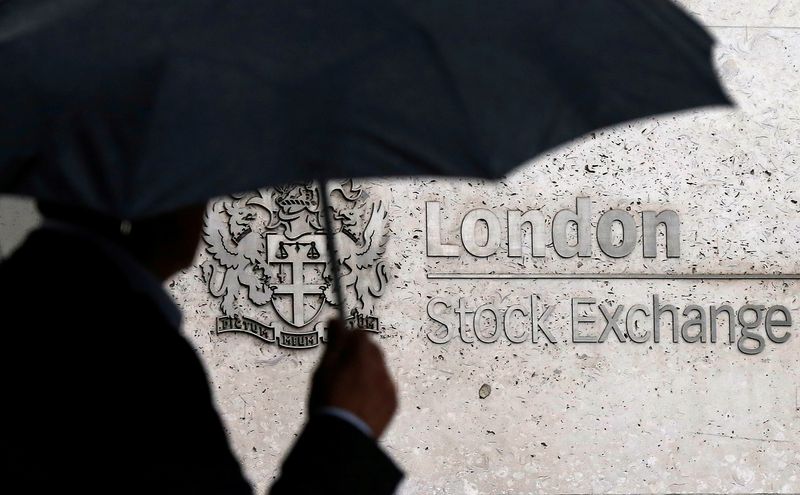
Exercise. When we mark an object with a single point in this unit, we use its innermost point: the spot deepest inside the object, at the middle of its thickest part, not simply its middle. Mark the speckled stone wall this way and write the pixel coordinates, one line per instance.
(566, 417)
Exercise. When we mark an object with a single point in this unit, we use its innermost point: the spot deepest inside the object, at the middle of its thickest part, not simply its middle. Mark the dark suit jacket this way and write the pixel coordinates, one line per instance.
(104, 395)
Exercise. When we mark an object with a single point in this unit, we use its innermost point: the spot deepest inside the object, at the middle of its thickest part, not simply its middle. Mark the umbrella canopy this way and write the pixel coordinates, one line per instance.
(138, 107)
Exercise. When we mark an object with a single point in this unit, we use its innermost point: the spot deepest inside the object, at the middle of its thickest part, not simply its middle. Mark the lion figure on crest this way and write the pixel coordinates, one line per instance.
(359, 253)
(238, 248)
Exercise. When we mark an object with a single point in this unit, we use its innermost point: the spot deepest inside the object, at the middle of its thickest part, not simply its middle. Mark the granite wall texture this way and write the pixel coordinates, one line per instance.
(566, 417)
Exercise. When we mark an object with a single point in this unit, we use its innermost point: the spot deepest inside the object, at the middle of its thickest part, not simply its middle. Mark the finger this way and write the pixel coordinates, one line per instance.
(354, 348)
(335, 331)
(373, 350)
(337, 337)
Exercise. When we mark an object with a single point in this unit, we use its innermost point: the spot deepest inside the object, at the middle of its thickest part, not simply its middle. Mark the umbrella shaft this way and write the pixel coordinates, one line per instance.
(332, 257)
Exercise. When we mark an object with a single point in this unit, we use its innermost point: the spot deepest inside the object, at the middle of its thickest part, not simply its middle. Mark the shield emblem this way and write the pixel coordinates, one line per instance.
(298, 267)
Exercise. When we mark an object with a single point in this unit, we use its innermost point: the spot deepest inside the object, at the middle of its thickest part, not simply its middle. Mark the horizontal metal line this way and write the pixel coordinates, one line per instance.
(615, 276)
(750, 27)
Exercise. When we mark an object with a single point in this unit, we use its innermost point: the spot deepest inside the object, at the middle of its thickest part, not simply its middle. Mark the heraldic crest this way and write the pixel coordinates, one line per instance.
(269, 267)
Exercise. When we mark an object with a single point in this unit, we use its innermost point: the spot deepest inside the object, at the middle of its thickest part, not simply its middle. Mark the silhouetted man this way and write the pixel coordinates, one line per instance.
(104, 395)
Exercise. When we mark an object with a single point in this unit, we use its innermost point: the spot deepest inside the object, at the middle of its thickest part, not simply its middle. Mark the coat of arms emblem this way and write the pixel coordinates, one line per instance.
(269, 267)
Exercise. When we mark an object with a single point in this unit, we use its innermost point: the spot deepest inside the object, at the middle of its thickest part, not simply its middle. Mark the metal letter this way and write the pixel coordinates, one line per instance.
(750, 325)
(450, 331)
(786, 322)
(611, 324)
(462, 312)
(604, 226)
(583, 246)
(518, 308)
(576, 318)
(537, 323)
(630, 323)
(517, 220)
(433, 232)
(468, 225)
(700, 320)
(714, 313)
(657, 312)
(497, 323)
(672, 224)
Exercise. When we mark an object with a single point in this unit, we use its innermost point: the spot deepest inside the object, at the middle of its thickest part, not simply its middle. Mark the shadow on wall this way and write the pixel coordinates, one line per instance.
(18, 216)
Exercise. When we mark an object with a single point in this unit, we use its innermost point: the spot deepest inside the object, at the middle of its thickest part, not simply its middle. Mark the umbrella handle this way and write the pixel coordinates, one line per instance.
(331, 243)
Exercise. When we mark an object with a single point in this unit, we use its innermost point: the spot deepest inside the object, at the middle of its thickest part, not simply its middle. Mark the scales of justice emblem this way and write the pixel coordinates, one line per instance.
(268, 263)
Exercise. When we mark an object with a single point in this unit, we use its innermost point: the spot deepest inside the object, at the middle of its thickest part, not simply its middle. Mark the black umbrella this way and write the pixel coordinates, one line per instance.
(137, 107)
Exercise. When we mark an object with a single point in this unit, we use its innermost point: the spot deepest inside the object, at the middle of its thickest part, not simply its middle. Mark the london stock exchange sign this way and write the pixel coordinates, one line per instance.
(749, 327)
(269, 267)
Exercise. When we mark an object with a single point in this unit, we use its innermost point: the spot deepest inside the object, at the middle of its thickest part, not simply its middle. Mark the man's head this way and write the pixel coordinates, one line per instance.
(165, 243)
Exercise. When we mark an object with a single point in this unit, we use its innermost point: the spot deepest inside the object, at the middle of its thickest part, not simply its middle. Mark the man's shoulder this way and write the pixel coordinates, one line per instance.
(65, 279)
(52, 251)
